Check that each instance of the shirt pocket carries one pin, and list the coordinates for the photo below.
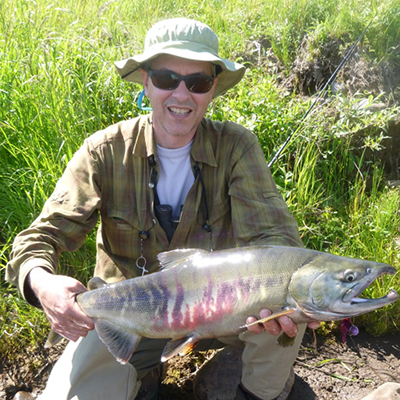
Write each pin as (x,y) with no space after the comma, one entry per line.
(217,213)
(121,229)
(220,222)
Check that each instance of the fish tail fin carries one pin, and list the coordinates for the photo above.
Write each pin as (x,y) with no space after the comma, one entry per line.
(53,339)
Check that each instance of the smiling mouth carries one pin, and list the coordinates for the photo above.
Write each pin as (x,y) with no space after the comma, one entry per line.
(179,111)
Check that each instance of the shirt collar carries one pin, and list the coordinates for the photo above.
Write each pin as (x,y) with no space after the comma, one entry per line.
(145,145)
(202,149)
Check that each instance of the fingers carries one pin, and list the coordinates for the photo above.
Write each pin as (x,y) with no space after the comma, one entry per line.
(276,326)
(273,327)
(69,321)
(69,332)
(254,328)
(288,326)
(57,295)
(314,324)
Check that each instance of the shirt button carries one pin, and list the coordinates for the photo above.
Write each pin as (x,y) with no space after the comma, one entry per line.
(143,235)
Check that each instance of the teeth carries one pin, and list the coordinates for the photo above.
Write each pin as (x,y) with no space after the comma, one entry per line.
(179,111)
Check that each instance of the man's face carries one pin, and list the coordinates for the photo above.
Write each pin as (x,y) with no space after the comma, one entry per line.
(177,112)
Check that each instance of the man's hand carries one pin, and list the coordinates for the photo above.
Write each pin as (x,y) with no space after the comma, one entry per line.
(275,326)
(57,294)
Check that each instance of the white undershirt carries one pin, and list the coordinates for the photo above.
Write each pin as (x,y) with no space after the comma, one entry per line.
(176,176)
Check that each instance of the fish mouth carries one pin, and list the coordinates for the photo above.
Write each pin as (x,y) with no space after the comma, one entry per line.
(388,299)
(351,296)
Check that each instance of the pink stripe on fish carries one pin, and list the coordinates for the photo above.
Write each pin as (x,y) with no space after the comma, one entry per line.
(177,316)
(213,307)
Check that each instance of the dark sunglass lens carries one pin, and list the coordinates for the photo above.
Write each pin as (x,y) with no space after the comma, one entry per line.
(168,80)
(199,84)
(165,80)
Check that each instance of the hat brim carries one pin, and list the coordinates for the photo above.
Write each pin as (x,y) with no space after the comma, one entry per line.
(231,74)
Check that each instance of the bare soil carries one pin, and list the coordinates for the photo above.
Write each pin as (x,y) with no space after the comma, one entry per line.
(331,370)
(346,371)
(315,62)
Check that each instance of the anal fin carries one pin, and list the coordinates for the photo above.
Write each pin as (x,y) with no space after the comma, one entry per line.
(179,346)
(119,342)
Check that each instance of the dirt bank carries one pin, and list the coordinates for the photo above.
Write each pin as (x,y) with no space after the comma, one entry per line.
(335,371)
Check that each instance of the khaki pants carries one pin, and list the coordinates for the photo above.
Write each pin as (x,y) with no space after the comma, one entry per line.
(87,370)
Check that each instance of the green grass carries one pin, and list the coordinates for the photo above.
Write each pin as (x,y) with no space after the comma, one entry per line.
(58,85)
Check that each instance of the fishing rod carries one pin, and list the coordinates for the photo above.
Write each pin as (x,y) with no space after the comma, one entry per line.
(329,82)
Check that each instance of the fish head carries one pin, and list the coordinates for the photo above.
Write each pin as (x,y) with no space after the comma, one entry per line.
(327,287)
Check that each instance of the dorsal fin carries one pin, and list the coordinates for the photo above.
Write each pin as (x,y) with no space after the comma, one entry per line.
(170,259)
(96,283)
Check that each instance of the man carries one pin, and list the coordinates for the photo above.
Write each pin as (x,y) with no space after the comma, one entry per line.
(172,179)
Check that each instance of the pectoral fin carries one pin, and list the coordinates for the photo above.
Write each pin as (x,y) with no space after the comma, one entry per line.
(180,346)
(269,318)
(119,342)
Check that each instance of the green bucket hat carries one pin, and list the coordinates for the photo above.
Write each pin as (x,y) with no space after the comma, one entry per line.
(187,39)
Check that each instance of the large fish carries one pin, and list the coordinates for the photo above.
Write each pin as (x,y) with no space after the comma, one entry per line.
(199,294)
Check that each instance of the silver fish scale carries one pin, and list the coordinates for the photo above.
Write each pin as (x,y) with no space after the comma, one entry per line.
(216,288)
(212,293)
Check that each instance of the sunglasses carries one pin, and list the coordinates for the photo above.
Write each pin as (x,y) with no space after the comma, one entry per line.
(169,80)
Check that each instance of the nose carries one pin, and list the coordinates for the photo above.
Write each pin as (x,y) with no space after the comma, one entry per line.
(182,91)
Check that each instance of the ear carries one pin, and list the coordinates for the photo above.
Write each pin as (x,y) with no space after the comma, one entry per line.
(145,78)
(214,86)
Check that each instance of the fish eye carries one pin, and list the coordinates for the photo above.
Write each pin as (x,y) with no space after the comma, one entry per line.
(349,276)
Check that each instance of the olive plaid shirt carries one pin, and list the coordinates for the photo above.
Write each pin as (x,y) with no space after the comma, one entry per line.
(110,176)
